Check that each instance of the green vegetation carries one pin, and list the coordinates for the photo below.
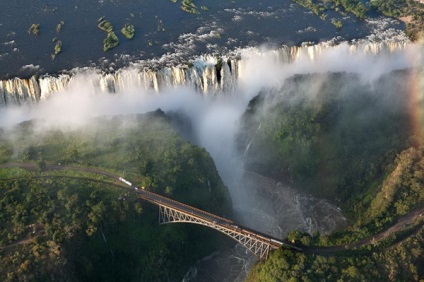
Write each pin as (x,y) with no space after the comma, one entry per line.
(396,257)
(337,23)
(189,7)
(59,26)
(80,226)
(105,25)
(399,263)
(409,11)
(34,29)
(401,191)
(128,31)
(110,41)
(354,6)
(57,48)
(326,144)
(323,16)
(317,8)
(334,136)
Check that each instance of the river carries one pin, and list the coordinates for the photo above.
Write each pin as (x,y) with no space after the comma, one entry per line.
(165,33)
(175,54)
(270,207)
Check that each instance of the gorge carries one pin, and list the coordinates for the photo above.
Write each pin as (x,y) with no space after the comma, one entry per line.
(270,120)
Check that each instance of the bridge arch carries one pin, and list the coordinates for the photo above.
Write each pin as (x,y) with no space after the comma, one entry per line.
(258,246)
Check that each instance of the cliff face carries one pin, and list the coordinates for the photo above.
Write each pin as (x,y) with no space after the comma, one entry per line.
(209,75)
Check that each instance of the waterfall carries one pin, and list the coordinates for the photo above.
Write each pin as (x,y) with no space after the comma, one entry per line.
(250,142)
(209,75)
(19,91)
(49,84)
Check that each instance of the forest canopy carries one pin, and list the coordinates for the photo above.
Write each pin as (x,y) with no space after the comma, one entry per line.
(78,225)
(336,136)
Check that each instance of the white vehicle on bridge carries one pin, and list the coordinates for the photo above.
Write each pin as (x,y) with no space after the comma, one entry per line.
(125,181)
(275,241)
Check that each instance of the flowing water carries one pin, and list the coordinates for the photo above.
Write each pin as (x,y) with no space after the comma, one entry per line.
(198,65)
(214,107)
(272,208)
(165,33)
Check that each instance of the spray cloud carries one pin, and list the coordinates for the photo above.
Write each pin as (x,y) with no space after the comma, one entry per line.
(215,119)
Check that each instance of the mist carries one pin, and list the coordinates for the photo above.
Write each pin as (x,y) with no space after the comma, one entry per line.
(215,119)
(260,69)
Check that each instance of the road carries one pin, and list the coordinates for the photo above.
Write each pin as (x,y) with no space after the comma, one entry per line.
(164,201)
(402,222)
(214,219)
(33,167)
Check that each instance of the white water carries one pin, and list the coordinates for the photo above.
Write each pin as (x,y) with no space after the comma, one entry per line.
(214,107)
(202,75)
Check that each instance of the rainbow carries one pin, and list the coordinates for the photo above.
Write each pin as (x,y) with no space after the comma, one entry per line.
(416,96)
(416,104)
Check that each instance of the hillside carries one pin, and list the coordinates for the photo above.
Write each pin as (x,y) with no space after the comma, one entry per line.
(396,255)
(350,141)
(80,225)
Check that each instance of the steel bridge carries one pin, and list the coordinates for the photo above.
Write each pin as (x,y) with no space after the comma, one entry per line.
(171,211)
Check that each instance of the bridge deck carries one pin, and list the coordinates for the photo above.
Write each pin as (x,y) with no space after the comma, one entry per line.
(213,220)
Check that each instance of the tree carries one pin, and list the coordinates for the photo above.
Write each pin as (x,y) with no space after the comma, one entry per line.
(41,165)
(169,190)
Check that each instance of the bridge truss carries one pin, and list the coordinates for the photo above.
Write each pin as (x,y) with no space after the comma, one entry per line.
(257,245)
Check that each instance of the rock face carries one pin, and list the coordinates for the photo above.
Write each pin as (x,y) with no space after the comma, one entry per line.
(275,208)
(209,75)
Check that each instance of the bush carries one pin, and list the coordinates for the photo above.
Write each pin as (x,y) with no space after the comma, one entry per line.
(57,48)
(337,23)
(110,41)
(34,29)
(59,26)
(128,31)
(105,26)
